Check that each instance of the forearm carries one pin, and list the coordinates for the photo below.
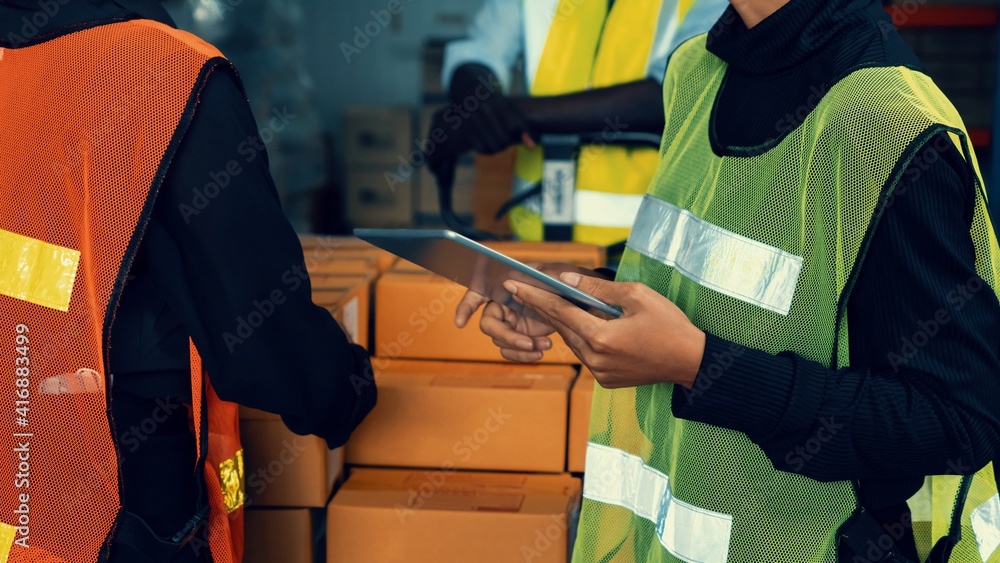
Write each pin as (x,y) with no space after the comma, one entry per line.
(234,271)
(833,425)
(636,107)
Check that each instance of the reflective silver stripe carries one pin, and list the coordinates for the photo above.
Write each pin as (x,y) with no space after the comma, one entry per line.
(621,479)
(986,527)
(729,263)
(603,209)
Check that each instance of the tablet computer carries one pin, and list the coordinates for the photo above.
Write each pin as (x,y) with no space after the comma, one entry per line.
(477,267)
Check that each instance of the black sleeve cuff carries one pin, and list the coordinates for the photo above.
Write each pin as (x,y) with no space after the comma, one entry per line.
(358,397)
(744,390)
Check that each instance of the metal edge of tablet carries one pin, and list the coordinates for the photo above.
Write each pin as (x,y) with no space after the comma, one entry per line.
(537,275)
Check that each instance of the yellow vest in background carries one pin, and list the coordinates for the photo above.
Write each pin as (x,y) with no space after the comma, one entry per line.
(587,47)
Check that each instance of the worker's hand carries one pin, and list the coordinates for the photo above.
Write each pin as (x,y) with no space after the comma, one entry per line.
(494,126)
(652,342)
(521,335)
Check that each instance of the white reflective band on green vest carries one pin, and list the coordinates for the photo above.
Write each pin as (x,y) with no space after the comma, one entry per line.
(729,263)
(690,533)
(604,209)
(986,525)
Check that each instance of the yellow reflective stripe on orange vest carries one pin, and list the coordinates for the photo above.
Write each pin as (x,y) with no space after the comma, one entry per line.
(7,535)
(231,477)
(715,258)
(36,271)
(688,532)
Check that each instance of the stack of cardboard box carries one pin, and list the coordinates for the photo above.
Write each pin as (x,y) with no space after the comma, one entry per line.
(290,478)
(466,457)
(470,450)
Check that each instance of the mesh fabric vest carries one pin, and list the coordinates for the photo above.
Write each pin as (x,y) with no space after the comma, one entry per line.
(761,250)
(89,123)
(590,47)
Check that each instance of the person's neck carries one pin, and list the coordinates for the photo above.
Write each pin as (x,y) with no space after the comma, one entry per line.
(752,12)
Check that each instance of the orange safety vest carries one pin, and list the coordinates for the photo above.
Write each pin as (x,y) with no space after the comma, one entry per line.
(89,123)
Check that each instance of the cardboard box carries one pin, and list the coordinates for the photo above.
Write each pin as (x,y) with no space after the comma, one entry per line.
(500,417)
(377,198)
(415,319)
(286,535)
(449,517)
(377,135)
(284,469)
(351,306)
(580,400)
(319,247)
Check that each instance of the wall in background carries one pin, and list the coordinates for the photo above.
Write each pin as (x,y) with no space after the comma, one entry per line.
(387,69)
(315,58)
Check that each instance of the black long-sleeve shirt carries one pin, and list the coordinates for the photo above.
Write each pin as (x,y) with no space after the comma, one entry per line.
(922,393)
(217,252)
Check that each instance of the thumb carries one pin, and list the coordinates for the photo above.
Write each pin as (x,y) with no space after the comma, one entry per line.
(528,141)
(470,303)
(610,292)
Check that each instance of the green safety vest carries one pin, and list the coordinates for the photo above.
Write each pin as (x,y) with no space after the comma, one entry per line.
(762,249)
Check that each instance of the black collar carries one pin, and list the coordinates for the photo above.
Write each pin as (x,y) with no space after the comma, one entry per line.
(788,37)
